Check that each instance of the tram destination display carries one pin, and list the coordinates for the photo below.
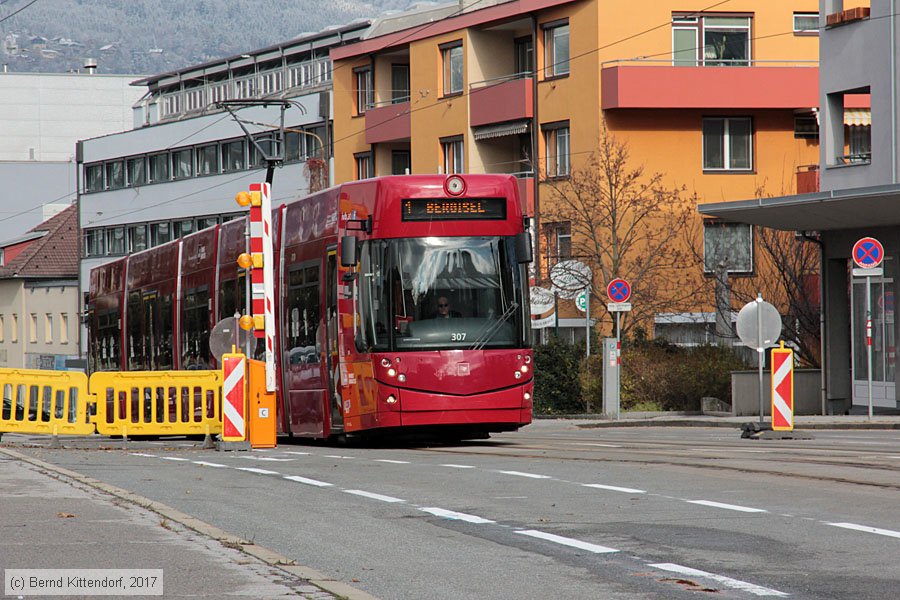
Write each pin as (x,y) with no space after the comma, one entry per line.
(453,209)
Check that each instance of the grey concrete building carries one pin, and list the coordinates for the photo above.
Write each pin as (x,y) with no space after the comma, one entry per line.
(178,168)
(859,196)
(42,116)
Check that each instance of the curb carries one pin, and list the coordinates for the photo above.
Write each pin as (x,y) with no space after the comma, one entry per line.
(872,425)
(269,557)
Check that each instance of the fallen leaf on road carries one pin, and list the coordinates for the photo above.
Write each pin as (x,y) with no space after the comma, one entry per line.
(65,515)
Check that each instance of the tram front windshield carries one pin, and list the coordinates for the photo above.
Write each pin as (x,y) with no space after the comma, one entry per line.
(441,293)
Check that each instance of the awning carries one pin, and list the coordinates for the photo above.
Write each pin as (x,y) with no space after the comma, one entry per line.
(486,132)
(857,117)
(865,207)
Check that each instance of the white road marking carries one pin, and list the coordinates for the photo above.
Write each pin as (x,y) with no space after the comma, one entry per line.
(737,584)
(393,462)
(529,475)
(565,541)
(307,481)
(593,444)
(269,458)
(258,471)
(209,464)
(297,453)
(175,458)
(746,509)
(867,529)
(374,496)
(452,466)
(614,488)
(456,516)
(338,456)
(147,455)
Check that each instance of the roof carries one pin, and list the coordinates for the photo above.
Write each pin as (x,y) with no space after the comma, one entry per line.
(55,255)
(862,207)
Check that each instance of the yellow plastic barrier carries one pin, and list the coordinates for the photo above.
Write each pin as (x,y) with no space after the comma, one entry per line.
(50,402)
(158,402)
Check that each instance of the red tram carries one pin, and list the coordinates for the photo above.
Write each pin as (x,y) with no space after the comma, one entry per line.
(402,303)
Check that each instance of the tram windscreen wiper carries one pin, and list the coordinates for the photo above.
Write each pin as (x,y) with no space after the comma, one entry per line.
(494,327)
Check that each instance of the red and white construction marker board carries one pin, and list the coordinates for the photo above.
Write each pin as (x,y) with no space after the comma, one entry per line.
(782,389)
(234,411)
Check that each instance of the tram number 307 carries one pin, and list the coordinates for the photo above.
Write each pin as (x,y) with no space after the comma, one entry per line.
(458,337)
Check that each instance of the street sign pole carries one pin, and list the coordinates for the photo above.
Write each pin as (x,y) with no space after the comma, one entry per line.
(760,356)
(867,254)
(869,342)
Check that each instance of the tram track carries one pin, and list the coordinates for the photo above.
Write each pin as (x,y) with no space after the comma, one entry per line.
(615,455)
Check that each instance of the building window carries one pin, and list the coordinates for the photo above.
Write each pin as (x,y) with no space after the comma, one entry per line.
(48,328)
(524,48)
(159,167)
(556,142)
(727,144)
(454,155)
(556,49)
(806,125)
(399,83)
(205,222)
(115,240)
(93,242)
(93,178)
(558,241)
(365,167)
(32,328)
(806,23)
(208,160)
(14,328)
(269,148)
(115,175)
(183,228)
(400,162)
(233,156)
(2,328)
(137,238)
(160,233)
(182,164)
(63,328)
(860,138)
(710,41)
(365,94)
(136,171)
(452,56)
(730,244)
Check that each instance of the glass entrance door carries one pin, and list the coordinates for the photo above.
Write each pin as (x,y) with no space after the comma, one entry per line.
(883,349)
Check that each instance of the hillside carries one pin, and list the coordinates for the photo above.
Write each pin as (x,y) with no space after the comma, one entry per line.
(153,36)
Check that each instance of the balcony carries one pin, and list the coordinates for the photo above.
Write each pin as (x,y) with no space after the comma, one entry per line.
(659,84)
(508,98)
(847,16)
(387,123)
(808,179)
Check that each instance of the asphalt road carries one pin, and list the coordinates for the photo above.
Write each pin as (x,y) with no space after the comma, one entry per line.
(553,511)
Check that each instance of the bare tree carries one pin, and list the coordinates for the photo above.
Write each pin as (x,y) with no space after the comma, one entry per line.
(785,274)
(626,223)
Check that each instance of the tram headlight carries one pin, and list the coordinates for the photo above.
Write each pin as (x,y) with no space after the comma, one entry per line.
(392,372)
(527,396)
(455,185)
(385,362)
(518,375)
(527,359)
(401,378)
(524,368)
(392,399)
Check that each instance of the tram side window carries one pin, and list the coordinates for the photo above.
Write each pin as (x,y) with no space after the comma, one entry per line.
(373,306)
(303,315)
(137,354)
(195,329)
(106,342)
(165,339)
(232,296)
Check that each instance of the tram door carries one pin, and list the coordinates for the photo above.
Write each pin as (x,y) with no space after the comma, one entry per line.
(331,332)
(883,343)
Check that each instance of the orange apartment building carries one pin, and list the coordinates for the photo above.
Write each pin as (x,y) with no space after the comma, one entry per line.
(721,101)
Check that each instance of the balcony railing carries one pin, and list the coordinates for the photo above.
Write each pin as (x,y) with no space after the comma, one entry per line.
(501,79)
(501,99)
(807,179)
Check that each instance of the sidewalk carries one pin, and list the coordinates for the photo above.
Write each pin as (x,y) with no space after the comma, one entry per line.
(56,519)
(701,420)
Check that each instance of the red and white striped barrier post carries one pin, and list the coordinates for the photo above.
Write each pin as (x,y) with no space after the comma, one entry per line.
(234,401)
(262,282)
(782,389)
